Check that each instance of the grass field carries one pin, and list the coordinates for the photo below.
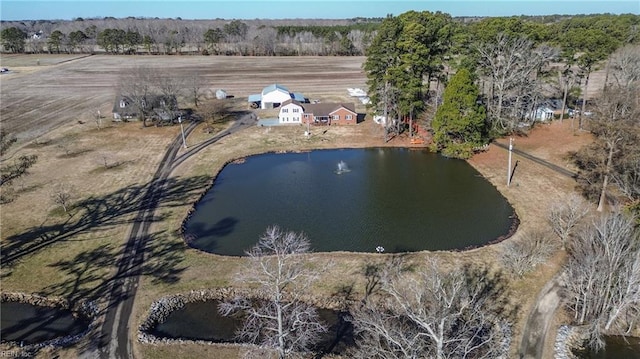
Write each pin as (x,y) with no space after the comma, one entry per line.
(50,106)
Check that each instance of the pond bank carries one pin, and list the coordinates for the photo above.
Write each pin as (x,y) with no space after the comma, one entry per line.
(85,311)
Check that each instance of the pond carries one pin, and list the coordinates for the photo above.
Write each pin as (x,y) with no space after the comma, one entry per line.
(29,324)
(616,347)
(351,200)
(201,321)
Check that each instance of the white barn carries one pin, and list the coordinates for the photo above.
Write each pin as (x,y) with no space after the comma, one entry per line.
(274,95)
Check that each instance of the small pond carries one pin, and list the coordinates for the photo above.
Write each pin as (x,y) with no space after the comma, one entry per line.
(351,200)
(30,324)
(616,348)
(201,321)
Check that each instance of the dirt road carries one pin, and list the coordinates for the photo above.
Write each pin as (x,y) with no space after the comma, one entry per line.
(539,321)
(114,339)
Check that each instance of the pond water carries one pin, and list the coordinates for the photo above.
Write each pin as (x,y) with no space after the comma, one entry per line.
(201,321)
(30,324)
(351,200)
(616,348)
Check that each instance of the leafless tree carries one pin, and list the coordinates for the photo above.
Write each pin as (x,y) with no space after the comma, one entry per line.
(214,112)
(171,88)
(565,215)
(604,270)
(432,314)
(194,85)
(522,255)
(62,195)
(625,66)
(279,319)
(137,85)
(616,125)
(512,65)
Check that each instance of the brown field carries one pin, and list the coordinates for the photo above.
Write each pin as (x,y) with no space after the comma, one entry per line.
(65,88)
(72,256)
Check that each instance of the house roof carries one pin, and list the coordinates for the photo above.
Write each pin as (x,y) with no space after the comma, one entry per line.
(274,87)
(255,97)
(298,96)
(292,101)
(325,109)
(153,101)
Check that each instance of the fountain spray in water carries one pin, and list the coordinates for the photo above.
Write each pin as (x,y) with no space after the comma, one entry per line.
(342,168)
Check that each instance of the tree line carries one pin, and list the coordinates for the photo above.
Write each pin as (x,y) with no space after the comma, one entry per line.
(177,36)
(273,37)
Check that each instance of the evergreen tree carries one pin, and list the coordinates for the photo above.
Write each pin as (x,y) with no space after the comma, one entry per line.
(13,39)
(406,53)
(55,40)
(459,124)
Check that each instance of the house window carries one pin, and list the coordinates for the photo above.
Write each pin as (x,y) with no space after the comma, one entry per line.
(348,117)
(335,117)
(285,110)
(295,110)
(123,104)
(306,116)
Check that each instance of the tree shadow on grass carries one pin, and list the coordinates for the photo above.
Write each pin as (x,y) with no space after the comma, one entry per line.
(98,214)
(84,275)
(494,289)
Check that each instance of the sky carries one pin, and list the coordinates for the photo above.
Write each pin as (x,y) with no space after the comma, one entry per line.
(300,9)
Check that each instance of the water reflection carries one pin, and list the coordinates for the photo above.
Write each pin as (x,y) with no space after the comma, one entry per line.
(403,201)
(201,321)
(617,347)
(30,324)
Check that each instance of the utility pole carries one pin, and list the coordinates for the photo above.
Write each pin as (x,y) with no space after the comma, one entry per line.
(509,168)
(184,141)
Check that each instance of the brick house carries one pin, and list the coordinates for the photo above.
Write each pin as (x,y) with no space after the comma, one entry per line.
(295,112)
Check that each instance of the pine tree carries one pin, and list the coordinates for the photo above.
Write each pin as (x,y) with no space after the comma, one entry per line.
(459,124)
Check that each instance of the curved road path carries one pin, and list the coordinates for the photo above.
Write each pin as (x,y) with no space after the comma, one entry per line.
(114,341)
(549,299)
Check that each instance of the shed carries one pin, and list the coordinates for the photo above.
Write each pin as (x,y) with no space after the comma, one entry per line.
(221,94)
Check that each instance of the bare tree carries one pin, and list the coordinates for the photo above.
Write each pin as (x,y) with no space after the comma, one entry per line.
(524,254)
(137,86)
(604,267)
(436,314)
(194,85)
(512,65)
(280,319)
(62,195)
(566,215)
(625,66)
(609,166)
(171,88)
(11,168)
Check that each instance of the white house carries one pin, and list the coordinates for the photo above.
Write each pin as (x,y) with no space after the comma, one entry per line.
(542,113)
(290,112)
(273,96)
